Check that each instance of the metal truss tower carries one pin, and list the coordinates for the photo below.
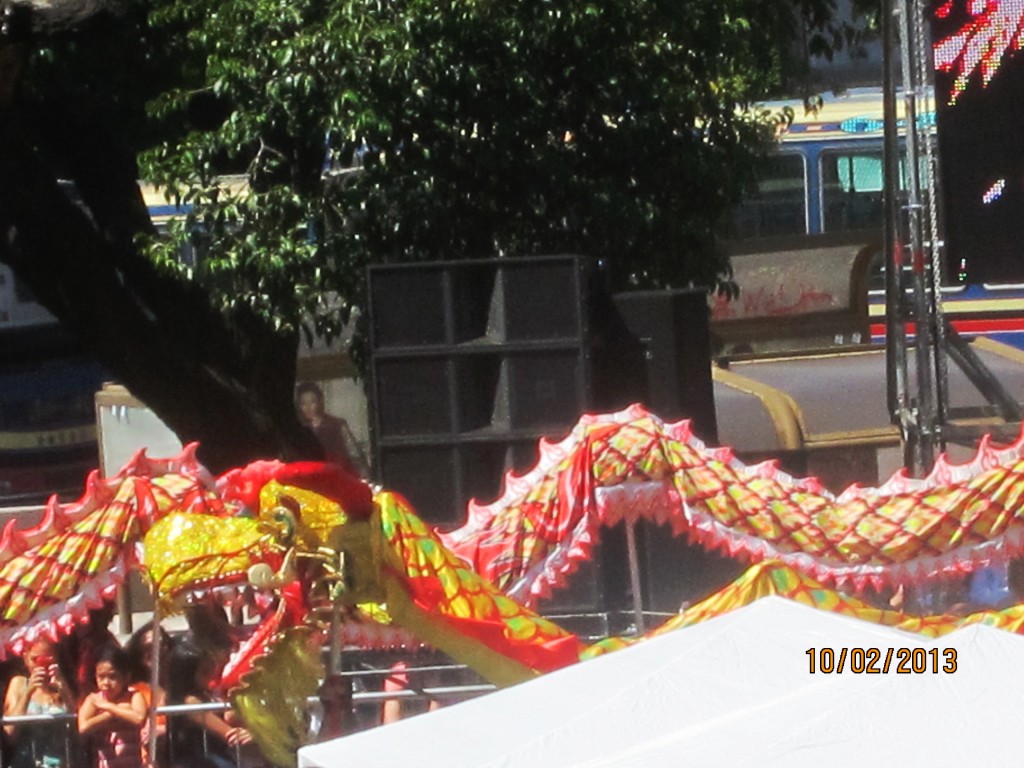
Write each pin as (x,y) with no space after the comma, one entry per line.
(919,341)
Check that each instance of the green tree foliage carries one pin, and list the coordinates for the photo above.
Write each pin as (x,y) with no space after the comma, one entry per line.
(623,129)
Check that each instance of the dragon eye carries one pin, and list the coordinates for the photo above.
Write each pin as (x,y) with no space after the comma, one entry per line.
(284,519)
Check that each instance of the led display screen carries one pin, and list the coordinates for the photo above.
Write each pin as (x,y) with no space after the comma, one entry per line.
(979,83)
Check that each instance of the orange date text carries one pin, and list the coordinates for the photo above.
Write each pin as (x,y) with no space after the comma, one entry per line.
(882,661)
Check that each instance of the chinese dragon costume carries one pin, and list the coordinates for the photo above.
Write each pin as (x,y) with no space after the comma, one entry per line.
(328,545)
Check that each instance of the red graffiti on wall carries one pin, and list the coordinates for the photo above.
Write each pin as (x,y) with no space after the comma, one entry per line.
(780,301)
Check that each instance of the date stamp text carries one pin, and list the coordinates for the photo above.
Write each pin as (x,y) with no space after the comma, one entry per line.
(882,661)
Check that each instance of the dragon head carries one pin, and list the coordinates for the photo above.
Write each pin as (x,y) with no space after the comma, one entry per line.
(283,513)
(298,530)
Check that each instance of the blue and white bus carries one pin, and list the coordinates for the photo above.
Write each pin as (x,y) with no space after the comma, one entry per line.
(823,184)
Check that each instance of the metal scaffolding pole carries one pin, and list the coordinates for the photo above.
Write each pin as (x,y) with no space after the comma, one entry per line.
(918,398)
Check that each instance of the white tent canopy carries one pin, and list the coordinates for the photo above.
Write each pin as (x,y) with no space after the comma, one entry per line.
(733,691)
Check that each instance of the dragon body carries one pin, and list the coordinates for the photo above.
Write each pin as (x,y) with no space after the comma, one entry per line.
(631,465)
(333,548)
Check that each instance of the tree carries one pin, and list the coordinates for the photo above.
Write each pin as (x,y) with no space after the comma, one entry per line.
(622,129)
(224,378)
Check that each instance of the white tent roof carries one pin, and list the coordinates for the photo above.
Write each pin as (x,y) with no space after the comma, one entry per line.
(732,691)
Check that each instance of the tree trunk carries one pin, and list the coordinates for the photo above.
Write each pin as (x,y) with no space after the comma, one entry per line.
(225,381)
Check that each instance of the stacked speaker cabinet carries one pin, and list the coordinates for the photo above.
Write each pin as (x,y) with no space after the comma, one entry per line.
(471,363)
(670,327)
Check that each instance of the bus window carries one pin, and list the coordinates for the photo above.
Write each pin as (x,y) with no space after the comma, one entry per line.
(851,187)
(778,206)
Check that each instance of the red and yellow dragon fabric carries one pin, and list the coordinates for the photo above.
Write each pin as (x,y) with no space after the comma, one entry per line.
(316,536)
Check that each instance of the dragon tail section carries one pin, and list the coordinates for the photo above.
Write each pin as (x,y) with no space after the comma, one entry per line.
(774,578)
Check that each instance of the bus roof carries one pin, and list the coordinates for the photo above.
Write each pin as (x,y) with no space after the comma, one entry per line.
(853,114)
(163,208)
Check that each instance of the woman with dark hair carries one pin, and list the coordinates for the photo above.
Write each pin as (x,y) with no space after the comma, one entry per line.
(200,739)
(140,649)
(333,433)
(42,690)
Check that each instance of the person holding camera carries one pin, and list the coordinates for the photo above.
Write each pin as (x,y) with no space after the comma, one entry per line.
(42,690)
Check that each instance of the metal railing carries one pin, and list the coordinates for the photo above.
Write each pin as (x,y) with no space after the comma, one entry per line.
(75,755)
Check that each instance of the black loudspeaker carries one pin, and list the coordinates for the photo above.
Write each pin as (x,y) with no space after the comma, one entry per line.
(472,362)
(671,329)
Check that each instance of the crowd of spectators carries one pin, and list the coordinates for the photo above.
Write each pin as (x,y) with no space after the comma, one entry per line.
(99,696)
(85,701)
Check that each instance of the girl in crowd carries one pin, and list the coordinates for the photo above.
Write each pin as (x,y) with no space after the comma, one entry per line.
(140,650)
(113,717)
(43,690)
(202,739)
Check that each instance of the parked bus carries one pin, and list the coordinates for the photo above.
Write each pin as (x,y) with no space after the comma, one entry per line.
(821,189)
